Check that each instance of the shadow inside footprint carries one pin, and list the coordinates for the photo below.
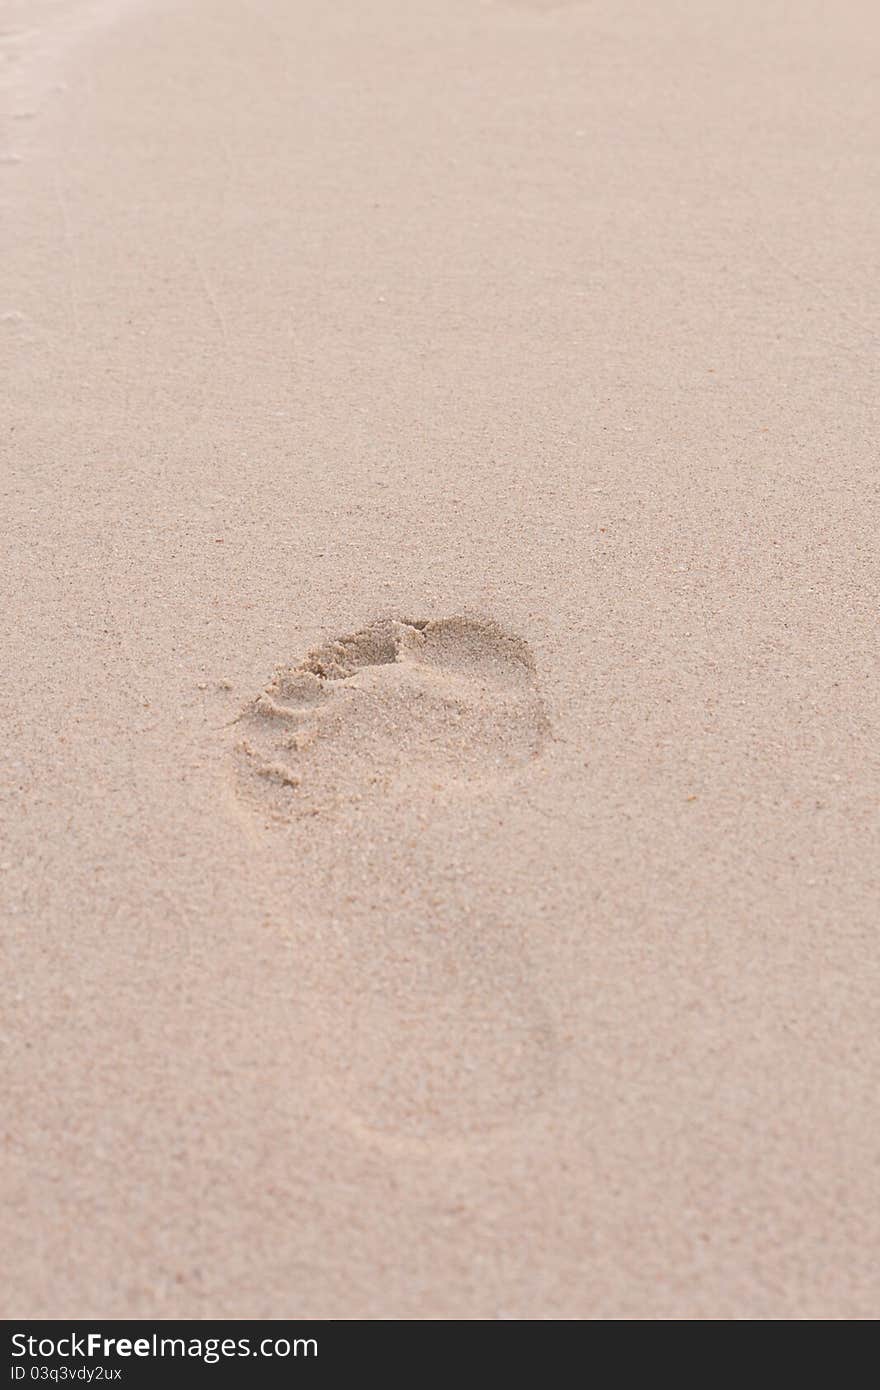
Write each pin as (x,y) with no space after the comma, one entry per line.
(399,702)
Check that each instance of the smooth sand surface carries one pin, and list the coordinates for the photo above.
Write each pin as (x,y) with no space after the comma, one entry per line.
(516,956)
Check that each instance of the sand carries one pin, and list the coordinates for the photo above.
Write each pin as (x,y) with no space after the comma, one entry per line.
(440,861)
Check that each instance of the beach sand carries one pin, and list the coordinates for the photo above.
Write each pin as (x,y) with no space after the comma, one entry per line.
(440,710)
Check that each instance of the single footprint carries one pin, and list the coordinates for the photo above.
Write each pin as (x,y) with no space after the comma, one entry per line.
(402,704)
(429,1028)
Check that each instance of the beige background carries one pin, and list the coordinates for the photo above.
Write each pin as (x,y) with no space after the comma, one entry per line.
(561,313)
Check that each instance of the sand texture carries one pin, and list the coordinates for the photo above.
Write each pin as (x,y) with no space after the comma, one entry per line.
(440,769)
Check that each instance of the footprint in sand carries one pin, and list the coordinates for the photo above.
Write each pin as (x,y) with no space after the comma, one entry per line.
(443,1035)
(386,708)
